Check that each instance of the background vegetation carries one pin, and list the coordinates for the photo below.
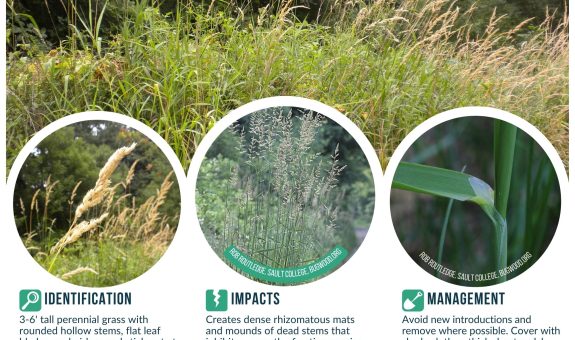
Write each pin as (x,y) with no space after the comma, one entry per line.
(181,65)
(533,206)
(285,185)
(140,206)
(52,17)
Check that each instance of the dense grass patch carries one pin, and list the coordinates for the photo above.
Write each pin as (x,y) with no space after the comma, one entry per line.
(285,186)
(387,68)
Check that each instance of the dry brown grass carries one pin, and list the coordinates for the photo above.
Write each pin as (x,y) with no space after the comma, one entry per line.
(96,195)
(76,232)
(526,76)
(119,219)
(77,271)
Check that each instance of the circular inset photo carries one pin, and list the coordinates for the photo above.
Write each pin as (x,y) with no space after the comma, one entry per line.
(96,202)
(285,195)
(475,201)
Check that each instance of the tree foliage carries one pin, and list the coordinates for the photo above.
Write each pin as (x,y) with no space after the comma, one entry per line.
(515,12)
(74,156)
(46,24)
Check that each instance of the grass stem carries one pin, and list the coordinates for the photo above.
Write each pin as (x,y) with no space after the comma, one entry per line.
(504,137)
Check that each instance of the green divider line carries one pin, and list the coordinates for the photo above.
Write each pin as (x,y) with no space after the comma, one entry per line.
(299,274)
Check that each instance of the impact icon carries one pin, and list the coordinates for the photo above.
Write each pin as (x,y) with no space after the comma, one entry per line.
(216,300)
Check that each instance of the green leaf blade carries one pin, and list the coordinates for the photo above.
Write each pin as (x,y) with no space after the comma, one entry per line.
(434,181)
(455,186)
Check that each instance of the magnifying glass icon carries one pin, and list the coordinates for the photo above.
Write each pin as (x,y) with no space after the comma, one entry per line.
(32,298)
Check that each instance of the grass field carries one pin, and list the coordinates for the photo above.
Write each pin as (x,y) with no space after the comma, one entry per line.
(387,68)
